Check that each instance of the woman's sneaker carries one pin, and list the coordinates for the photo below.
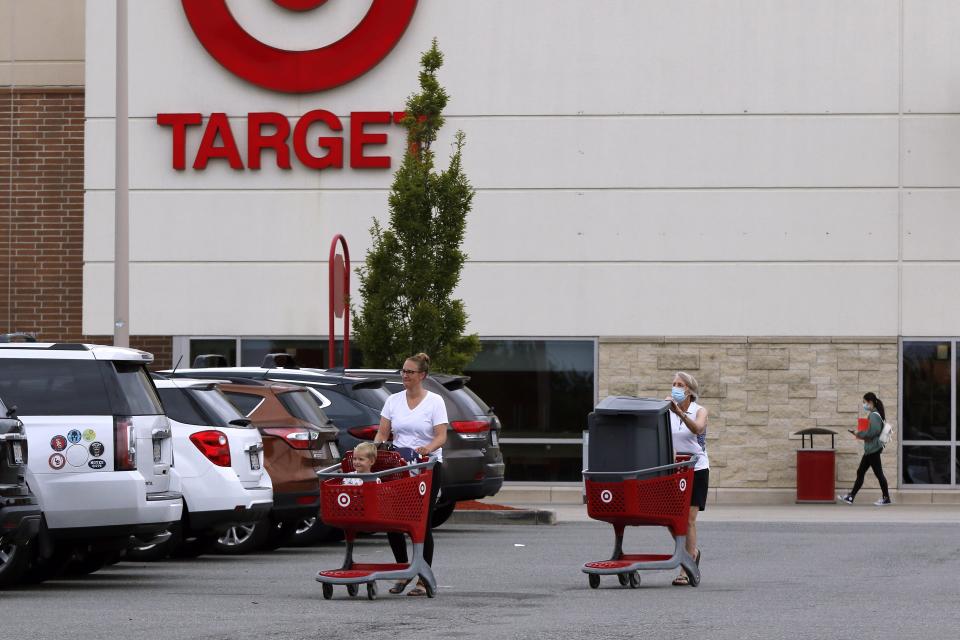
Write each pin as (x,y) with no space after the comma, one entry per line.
(848,499)
(883,501)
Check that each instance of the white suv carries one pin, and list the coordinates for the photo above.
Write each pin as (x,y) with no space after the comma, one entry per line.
(100,450)
(218,467)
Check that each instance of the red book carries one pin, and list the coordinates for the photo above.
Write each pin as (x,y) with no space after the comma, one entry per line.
(863,424)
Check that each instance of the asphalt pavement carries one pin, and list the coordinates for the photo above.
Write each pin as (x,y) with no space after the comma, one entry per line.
(760,580)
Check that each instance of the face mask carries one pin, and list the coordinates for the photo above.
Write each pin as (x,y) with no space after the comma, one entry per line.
(867,407)
(678,394)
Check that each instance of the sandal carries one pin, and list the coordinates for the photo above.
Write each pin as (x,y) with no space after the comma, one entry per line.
(400,585)
(419,590)
(681,580)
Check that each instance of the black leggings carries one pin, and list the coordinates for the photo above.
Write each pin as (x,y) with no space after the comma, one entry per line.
(868,461)
(398,542)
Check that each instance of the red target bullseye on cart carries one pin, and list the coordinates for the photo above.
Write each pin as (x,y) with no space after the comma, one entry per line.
(423,488)
(343,500)
(299,71)
(683,485)
(606,496)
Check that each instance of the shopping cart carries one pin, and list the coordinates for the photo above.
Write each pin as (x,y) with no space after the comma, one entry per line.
(399,503)
(659,496)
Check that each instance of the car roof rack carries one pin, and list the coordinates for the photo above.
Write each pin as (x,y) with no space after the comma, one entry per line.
(68,346)
(18,336)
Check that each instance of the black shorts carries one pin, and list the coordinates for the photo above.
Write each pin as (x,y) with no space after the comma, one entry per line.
(701,483)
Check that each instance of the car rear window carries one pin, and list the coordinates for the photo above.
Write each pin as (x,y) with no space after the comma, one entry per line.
(246,403)
(138,395)
(54,387)
(219,407)
(300,405)
(346,412)
(180,407)
(471,402)
(374,397)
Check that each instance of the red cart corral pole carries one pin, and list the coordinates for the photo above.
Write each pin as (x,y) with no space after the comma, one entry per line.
(339,288)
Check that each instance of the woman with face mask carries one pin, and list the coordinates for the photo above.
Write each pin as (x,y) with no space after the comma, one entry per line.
(688,421)
(872,448)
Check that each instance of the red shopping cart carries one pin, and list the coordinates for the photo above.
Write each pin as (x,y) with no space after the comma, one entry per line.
(659,496)
(399,503)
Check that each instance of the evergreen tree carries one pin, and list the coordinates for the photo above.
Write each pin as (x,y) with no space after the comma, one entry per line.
(409,275)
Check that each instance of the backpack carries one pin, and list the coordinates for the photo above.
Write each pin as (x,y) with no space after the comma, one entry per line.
(886,434)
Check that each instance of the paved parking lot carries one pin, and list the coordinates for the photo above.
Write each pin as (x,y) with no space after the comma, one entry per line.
(779,580)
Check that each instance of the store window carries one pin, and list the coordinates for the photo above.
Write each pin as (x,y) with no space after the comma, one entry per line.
(542,391)
(929,413)
(252,351)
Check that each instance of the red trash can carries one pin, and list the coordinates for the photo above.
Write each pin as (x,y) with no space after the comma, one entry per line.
(816,468)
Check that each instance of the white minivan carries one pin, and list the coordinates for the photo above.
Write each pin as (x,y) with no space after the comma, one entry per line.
(100,450)
(218,467)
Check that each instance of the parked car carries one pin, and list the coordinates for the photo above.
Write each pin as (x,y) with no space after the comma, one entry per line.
(19,509)
(347,401)
(472,461)
(298,439)
(100,451)
(218,467)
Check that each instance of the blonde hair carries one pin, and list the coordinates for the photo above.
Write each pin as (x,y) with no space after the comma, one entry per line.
(423,362)
(691,383)
(365,450)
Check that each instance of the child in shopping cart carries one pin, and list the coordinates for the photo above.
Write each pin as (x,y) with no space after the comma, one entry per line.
(364,457)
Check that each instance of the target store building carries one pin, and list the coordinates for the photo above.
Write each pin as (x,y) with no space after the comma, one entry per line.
(765,194)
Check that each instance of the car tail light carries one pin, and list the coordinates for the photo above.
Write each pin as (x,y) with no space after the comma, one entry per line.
(471,428)
(364,433)
(296,437)
(214,445)
(124,444)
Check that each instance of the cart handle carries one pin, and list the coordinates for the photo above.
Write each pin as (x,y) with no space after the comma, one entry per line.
(327,472)
(677,465)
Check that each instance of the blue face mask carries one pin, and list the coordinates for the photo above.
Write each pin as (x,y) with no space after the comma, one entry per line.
(867,408)
(678,394)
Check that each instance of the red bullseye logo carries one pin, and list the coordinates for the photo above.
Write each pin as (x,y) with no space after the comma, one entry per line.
(299,71)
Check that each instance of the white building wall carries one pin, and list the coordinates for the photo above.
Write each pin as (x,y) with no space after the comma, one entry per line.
(790,167)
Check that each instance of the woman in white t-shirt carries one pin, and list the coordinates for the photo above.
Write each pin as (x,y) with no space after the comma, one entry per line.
(417,418)
(688,421)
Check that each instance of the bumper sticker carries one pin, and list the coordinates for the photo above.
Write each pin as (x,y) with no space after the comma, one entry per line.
(96,449)
(73,436)
(89,435)
(96,463)
(57,461)
(58,443)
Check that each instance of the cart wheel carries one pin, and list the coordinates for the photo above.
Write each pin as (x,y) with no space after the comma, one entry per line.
(623,579)
(426,587)
(694,579)
(353,589)
(594,580)
(371,591)
(327,590)
(634,579)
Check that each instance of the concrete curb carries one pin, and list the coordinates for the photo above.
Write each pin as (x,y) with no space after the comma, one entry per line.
(503,516)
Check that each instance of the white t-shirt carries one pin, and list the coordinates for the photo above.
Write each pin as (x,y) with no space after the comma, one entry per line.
(358,481)
(415,428)
(684,440)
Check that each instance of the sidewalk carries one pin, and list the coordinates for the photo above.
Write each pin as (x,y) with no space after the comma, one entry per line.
(536,513)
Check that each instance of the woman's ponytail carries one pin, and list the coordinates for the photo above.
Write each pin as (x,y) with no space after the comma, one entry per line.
(871,397)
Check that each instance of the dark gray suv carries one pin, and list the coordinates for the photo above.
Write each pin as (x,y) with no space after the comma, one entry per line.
(19,509)
(472,461)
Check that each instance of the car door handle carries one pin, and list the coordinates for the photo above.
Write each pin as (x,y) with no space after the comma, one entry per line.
(254,448)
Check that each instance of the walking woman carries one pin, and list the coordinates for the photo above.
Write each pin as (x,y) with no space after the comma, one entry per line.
(872,448)
(688,421)
(417,418)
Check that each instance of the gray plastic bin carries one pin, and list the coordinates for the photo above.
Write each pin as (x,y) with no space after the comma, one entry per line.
(629,433)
